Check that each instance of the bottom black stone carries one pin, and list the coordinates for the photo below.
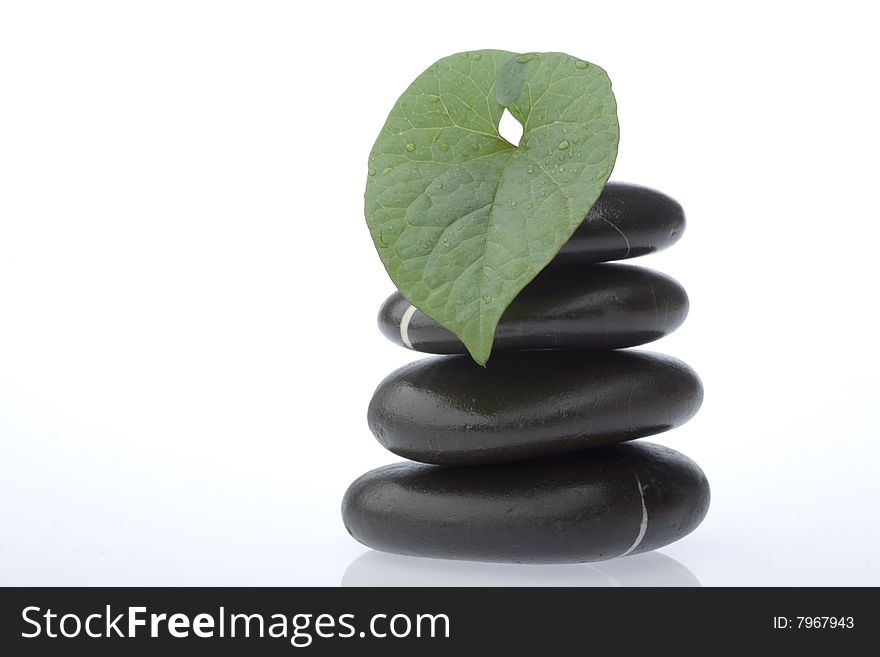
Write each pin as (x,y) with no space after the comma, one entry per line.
(587,506)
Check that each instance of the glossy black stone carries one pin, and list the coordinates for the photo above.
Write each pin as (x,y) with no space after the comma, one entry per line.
(526,404)
(589,506)
(565,307)
(626,221)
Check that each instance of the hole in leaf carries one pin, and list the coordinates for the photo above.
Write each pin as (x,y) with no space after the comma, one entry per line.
(509,128)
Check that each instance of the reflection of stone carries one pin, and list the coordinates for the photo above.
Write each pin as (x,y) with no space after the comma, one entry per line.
(565,307)
(585,506)
(382,569)
(449,410)
(528,471)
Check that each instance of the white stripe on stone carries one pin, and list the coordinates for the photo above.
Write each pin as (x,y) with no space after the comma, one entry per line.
(643,527)
(404,326)
(620,232)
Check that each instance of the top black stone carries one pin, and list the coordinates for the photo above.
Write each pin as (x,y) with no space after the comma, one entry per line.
(625,222)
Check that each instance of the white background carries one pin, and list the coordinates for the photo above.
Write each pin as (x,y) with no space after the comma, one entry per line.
(188,290)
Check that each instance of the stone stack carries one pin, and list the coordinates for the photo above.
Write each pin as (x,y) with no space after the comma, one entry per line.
(527,459)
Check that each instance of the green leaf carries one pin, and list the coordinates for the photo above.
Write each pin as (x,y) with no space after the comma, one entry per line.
(462,219)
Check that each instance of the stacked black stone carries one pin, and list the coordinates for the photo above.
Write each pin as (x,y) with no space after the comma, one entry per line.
(522,459)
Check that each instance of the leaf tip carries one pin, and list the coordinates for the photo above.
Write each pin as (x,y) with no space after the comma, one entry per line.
(480,352)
